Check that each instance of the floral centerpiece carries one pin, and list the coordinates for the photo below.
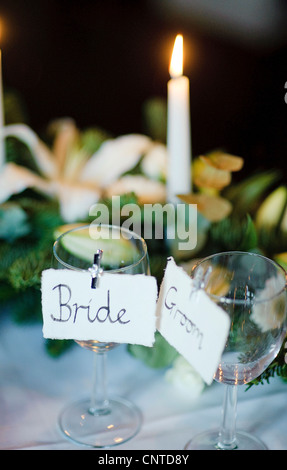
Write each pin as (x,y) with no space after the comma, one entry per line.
(49,182)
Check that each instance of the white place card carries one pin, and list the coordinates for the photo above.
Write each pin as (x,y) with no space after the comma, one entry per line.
(191,322)
(121,309)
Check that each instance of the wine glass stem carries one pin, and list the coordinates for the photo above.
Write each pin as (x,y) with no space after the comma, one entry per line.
(99,402)
(227,434)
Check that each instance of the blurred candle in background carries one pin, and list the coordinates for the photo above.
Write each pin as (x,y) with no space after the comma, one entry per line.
(2,145)
(178,127)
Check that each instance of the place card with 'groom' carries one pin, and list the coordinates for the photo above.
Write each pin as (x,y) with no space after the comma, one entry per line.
(191,322)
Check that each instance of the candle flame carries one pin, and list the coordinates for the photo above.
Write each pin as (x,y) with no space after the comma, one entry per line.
(176,63)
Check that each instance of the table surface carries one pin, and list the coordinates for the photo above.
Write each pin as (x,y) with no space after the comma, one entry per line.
(34,388)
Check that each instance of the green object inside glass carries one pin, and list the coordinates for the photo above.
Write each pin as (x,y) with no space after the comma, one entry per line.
(117,252)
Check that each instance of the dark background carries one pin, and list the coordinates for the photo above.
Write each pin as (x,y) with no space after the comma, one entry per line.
(99,61)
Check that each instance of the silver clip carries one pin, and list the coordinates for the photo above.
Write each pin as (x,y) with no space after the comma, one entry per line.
(96,270)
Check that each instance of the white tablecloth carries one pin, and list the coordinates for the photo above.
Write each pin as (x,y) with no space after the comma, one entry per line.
(34,388)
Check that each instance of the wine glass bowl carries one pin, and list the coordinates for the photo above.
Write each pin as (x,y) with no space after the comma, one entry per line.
(251,289)
(97,346)
(101,421)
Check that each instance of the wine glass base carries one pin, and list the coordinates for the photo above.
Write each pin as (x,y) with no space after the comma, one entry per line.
(120,423)
(209,441)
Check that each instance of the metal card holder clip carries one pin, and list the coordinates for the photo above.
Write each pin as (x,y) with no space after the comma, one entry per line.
(96,270)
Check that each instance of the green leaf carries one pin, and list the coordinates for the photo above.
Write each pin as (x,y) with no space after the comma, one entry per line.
(15,108)
(161,355)
(92,139)
(155,118)
(249,240)
(246,195)
(234,233)
(282,260)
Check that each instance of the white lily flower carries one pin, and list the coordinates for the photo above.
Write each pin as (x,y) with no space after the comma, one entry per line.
(147,191)
(40,152)
(54,165)
(115,157)
(269,311)
(154,163)
(67,172)
(14,179)
(185,379)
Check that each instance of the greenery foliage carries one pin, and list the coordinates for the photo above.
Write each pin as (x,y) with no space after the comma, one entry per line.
(28,222)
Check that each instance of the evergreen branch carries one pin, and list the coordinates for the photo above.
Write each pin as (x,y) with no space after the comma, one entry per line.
(278,368)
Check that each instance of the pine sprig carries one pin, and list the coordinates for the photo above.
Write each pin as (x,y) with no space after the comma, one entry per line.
(278,368)
(26,272)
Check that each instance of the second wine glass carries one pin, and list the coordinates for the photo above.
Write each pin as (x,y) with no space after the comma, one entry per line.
(251,289)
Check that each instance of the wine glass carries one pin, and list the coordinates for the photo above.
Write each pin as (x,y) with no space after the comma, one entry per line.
(252,290)
(100,421)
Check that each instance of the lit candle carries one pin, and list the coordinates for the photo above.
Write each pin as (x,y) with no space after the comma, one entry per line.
(178,127)
(2,148)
